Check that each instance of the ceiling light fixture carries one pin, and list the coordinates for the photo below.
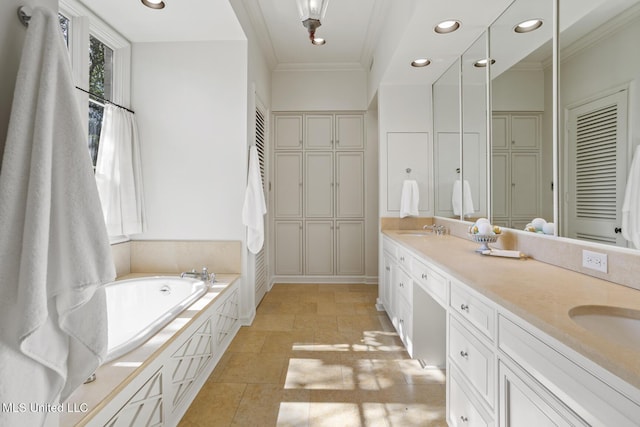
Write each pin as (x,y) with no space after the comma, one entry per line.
(311,12)
(480,63)
(529,25)
(421,62)
(154,4)
(448,26)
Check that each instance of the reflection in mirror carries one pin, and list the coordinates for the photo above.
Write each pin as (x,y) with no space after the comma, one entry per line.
(471,185)
(446,145)
(599,119)
(522,116)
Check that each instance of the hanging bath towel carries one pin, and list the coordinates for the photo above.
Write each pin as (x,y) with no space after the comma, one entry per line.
(54,251)
(409,199)
(631,205)
(254,204)
(456,197)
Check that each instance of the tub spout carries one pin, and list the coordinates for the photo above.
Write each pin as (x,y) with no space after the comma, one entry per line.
(193,273)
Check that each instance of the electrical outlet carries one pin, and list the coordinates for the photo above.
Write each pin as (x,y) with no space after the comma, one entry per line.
(594,260)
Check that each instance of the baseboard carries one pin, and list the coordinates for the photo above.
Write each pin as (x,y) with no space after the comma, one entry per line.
(367,280)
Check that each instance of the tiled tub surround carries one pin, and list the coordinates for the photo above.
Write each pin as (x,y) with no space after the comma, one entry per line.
(538,296)
(158,380)
(176,256)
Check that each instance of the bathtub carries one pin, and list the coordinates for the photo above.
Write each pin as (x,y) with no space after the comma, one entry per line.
(138,308)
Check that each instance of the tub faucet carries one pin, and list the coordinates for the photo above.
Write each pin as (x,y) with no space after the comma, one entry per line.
(193,273)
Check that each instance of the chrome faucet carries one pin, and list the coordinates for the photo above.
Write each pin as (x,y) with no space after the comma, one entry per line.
(438,229)
(204,275)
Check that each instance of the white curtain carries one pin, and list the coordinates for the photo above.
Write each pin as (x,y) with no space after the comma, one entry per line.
(119,174)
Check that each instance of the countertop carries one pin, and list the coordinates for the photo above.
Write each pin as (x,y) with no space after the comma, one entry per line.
(539,293)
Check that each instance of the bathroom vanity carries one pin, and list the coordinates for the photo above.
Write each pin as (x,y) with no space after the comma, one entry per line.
(514,334)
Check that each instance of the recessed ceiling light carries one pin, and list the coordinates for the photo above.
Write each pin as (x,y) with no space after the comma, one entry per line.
(421,62)
(318,41)
(448,26)
(480,63)
(153,4)
(528,25)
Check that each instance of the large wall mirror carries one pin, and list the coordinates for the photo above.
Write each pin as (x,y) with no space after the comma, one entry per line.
(598,116)
(446,141)
(522,146)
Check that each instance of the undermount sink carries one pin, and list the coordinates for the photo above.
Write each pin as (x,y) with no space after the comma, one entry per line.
(617,324)
(415,232)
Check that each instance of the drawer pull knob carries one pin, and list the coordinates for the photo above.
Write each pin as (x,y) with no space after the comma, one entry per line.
(464,419)
(464,354)
(424,276)
(402,258)
(401,285)
(464,307)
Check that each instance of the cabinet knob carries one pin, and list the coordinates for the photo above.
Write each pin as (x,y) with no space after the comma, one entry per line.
(464,307)
(464,354)
(464,419)
(424,276)
(401,285)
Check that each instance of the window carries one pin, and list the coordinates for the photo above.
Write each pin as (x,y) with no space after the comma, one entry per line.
(101,87)
(100,59)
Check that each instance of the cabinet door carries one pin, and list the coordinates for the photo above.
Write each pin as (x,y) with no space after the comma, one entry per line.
(525,132)
(318,185)
(501,182)
(318,131)
(349,185)
(349,247)
(288,132)
(500,132)
(462,408)
(319,247)
(288,185)
(288,245)
(522,401)
(525,177)
(386,283)
(349,132)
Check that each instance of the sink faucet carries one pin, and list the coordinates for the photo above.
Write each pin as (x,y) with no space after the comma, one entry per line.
(438,229)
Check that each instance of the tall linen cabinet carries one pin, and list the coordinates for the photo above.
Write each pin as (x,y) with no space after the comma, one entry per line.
(318,195)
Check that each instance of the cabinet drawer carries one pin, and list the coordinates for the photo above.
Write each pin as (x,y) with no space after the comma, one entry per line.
(433,283)
(474,359)
(463,412)
(390,248)
(590,397)
(472,308)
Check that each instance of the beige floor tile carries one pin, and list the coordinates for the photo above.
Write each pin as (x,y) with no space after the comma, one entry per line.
(215,405)
(253,368)
(287,341)
(262,404)
(273,322)
(315,321)
(314,371)
(247,340)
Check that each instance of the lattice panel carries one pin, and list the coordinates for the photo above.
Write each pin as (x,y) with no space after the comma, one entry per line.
(227,317)
(189,360)
(144,408)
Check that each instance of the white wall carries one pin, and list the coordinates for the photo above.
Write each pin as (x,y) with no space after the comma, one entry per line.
(519,90)
(319,90)
(191,105)
(405,110)
(12,34)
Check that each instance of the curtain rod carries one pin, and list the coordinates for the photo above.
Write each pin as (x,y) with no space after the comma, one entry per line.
(106,101)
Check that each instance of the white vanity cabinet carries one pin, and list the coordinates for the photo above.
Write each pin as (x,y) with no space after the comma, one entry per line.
(502,370)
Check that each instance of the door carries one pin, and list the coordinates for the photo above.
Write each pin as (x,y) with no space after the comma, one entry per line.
(597,164)
(288,132)
(319,247)
(349,185)
(318,184)
(525,192)
(288,247)
(319,131)
(349,132)
(288,185)
(349,247)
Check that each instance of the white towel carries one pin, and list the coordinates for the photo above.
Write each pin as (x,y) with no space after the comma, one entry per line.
(631,205)
(54,250)
(456,198)
(409,199)
(254,206)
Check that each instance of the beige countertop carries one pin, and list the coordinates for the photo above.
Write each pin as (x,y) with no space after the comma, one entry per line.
(539,293)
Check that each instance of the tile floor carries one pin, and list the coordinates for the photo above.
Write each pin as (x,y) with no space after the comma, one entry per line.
(319,355)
